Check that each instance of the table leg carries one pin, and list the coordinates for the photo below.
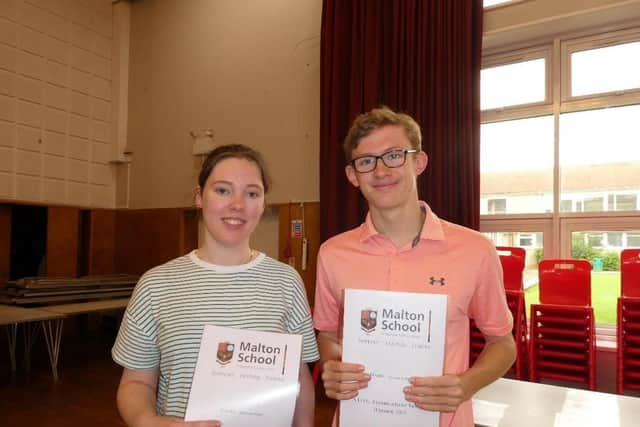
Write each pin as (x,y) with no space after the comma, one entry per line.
(12,332)
(53,335)
(30,333)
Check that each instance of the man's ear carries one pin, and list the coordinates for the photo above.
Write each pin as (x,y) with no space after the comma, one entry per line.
(197,196)
(421,162)
(352,175)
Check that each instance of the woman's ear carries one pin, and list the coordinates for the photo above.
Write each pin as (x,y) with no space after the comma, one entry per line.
(197,196)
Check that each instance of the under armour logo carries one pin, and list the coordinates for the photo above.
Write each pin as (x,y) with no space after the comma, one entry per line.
(433,281)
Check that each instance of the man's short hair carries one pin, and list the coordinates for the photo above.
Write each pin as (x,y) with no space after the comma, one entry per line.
(377,118)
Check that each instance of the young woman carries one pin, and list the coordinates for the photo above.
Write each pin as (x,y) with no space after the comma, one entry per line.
(224,282)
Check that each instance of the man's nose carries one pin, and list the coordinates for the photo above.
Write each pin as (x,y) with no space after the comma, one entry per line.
(381,168)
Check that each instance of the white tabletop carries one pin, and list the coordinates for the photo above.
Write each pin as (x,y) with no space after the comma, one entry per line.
(511,403)
(88,307)
(13,314)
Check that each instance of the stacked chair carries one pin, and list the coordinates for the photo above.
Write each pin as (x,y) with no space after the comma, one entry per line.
(628,353)
(513,262)
(562,339)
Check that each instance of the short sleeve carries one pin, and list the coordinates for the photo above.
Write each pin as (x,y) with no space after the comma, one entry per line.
(488,305)
(299,321)
(136,344)
(326,311)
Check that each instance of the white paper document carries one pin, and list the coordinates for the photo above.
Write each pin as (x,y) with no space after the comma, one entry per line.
(395,335)
(245,378)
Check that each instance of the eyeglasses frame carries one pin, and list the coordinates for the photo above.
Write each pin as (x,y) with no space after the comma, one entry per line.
(405,151)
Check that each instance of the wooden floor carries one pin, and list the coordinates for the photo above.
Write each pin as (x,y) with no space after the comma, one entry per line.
(85,393)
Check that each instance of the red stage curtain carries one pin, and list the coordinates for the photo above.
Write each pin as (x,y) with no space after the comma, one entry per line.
(416,56)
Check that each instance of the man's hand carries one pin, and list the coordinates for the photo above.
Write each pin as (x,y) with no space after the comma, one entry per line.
(441,394)
(343,380)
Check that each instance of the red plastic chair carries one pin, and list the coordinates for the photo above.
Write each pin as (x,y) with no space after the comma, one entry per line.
(565,281)
(628,327)
(512,260)
(562,338)
(630,272)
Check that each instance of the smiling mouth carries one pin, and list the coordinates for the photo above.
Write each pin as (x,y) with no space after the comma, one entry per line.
(233,221)
(385,186)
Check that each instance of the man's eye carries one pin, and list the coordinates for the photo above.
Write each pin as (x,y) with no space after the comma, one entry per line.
(394,155)
(365,161)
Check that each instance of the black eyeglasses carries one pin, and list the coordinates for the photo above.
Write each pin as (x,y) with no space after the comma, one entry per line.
(391,159)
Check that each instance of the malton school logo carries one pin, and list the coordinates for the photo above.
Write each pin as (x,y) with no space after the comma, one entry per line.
(368,320)
(225,353)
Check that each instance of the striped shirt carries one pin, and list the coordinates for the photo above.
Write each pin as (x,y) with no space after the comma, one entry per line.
(163,324)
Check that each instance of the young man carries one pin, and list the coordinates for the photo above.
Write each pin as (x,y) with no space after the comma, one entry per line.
(404,246)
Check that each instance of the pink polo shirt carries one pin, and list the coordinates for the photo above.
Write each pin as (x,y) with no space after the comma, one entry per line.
(448,259)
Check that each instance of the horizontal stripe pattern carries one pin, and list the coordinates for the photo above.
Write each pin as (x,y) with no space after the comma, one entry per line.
(163,324)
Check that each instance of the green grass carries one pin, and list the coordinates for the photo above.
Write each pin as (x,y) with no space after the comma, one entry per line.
(605,290)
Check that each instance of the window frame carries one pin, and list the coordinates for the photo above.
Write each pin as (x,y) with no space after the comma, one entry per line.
(557,225)
(605,99)
(540,108)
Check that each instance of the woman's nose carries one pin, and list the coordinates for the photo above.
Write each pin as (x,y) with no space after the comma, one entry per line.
(237,202)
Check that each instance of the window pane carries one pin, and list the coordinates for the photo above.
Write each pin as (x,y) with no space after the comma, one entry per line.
(602,249)
(516,164)
(534,250)
(633,239)
(497,206)
(614,239)
(599,157)
(620,64)
(594,239)
(593,204)
(512,84)
(626,202)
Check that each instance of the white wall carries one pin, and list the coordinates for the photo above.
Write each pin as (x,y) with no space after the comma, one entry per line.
(55,102)
(246,69)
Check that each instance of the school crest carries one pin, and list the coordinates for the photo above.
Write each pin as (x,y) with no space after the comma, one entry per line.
(368,320)
(225,353)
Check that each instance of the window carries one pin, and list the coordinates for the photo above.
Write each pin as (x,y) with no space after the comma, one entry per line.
(563,153)
(625,202)
(497,206)
(533,235)
(526,240)
(592,204)
(620,62)
(603,67)
(597,242)
(566,206)
(593,240)
(614,239)
(516,159)
(633,240)
(600,156)
(513,84)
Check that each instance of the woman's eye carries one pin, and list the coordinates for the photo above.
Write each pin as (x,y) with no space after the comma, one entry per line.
(253,194)
(221,191)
